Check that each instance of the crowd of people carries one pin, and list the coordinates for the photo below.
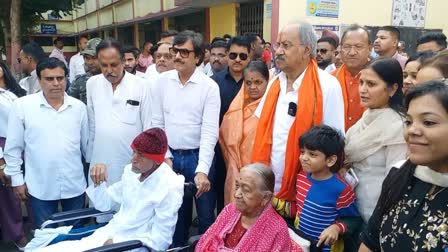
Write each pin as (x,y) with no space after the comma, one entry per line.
(309,145)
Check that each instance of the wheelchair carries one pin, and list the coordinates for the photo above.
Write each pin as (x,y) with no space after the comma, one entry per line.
(189,191)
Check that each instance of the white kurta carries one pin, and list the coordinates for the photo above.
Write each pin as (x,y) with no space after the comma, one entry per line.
(115,119)
(148,210)
(31,83)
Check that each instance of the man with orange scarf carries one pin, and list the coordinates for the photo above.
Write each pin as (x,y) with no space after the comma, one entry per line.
(355,50)
(301,96)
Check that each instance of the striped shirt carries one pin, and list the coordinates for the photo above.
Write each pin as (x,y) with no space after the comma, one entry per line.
(320,203)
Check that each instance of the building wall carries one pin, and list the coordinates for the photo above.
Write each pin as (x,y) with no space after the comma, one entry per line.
(222,20)
(372,13)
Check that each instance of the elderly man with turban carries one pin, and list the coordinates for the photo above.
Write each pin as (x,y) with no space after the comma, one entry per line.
(149,194)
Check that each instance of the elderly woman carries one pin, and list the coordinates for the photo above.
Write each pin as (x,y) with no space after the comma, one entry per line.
(250,223)
(435,68)
(411,69)
(237,132)
(412,211)
(375,143)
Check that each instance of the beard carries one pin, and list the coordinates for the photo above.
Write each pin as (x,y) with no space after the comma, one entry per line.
(324,63)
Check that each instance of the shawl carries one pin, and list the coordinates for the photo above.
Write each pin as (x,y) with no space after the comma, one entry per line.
(269,233)
(376,128)
(309,113)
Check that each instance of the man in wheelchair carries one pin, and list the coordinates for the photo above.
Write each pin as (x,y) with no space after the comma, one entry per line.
(149,196)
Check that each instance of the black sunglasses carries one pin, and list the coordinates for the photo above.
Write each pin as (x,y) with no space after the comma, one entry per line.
(184,53)
(322,51)
(243,56)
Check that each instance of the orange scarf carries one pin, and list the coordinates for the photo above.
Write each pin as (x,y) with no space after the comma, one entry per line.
(309,113)
(340,75)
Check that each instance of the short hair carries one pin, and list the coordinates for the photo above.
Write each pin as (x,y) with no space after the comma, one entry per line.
(251,36)
(355,27)
(34,51)
(226,36)
(267,42)
(436,88)
(169,33)
(438,61)
(421,57)
(109,43)
(239,41)
(219,44)
(130,49)
(81,37)
(217,39)
(154,49)
(56,40)
(393,30)
(327,140)
(197,41)
(329,40)
(307,36)
(266,174)
(147,42)
(258,66)
(437,37)
(50,63)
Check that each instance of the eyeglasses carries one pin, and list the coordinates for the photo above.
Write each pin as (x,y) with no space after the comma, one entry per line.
(348,48)
(242,56)
(322,51)
(184,53)
(167,56)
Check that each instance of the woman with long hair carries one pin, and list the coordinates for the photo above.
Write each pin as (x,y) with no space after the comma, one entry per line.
(10,211)
(412,210)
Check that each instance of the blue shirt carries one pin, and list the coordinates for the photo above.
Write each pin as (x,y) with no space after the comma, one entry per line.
(228,89)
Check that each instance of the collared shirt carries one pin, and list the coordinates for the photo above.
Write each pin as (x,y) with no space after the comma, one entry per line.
(31,83)
(148,209)
(330,68)
(58,54)
(140,74)
(53,141)
(355,110)
(401,59)
(76,66)
(189,113)
(333,115)
(115,119)
(6,100)
(228,88)
(151,72)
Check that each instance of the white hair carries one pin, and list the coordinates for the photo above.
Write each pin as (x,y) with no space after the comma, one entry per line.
(307,35)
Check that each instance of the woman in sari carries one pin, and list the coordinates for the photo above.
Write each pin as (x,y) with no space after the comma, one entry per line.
(238,128)
(250,223)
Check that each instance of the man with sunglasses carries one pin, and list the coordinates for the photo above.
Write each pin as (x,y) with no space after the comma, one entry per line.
(30,55)
(186,105)
(229,81)
(52,129)
(326,53)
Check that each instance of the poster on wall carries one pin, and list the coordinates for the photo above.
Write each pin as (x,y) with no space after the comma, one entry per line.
(319,29)
(322,8)
(410,13)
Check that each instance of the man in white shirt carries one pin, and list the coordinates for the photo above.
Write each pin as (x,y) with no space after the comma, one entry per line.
(57,51)
(164,61)
(30,55)
(291,106)
(149,195)
(186,105)
(119,108)
(77,61)
(52,129)
(131,55)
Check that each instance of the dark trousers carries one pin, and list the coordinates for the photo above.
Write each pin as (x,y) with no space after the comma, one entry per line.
(185,163)
(43,209)
(220,178)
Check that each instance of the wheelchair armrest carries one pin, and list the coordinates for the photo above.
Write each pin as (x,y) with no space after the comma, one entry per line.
(118,247)
(74,215)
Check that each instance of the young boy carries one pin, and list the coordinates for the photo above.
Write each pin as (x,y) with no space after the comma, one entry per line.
(322,195)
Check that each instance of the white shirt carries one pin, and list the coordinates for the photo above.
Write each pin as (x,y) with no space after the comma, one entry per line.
(189,113)
(151,72)
(6,100)
(31,83)
(76,66)
(148,210)
(207,69)
(114,122)
(333,115)
(53,141)
(330,68)
(140,74)
(58,54)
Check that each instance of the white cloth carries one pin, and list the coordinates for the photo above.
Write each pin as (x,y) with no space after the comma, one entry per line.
(151,72)
(333,115)
(6,100)
(58,54)
(140,74)
(189,113)
(53,141)
(31,83)
(43,237)
(148,210)
(330,68)
(207,69)
(76,66)
(113,122)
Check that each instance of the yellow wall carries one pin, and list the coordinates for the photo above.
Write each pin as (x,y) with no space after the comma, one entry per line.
(364,12)
(106,17)
(90,5)
(123,11)
(104,2)
(144,7)
(92,21)
(267,22)
(222,20)
(168,4)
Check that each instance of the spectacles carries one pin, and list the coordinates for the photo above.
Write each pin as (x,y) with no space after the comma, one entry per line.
(322,51)
(167,56)
(348,48)
(184,53)
(242,56)
(58,78)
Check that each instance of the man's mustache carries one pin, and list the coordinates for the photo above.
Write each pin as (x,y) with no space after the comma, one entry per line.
(178,61)
(279,58)
(111,75)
